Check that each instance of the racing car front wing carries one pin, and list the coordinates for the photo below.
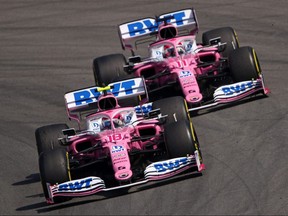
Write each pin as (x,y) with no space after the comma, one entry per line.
(222,95)
(154,172)
(235,92)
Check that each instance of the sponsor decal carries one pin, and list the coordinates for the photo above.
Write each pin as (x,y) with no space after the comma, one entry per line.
(95,125)
(119,156)
(189,46)
(75,185)
(237,88)
(128,118)
(117,148)
(84,96)
(150,25)
(145,108)
(184,74)
(120,89)
(170,164)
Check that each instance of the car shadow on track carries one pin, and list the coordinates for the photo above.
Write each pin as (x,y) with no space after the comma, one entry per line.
(33,178)
(43,207)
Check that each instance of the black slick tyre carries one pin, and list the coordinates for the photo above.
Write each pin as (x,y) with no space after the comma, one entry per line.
(47,137)
(54,169)
(108,69)
(244,64)
(227,35)
(180,139)
(175,107)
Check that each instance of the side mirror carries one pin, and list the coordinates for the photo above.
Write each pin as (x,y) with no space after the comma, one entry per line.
(134,59)
(69,132)
(215,41)
(154,113)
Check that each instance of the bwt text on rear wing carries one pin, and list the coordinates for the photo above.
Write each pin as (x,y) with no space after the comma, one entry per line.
(143,30)
(85,99)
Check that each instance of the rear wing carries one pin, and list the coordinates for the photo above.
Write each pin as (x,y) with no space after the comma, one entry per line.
(85,100)
(144,30)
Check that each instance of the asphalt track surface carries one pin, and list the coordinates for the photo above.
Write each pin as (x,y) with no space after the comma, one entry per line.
(47,48)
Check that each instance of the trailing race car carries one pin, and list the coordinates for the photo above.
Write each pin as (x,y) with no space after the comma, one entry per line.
(116,147)
(213,72)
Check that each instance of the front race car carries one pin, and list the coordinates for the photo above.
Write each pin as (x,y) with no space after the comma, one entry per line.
(118,147)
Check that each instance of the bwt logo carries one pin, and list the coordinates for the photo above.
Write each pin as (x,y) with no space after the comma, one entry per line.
(150,25)
(145,108)
(84,97)
(76,185)
(170,165)
(229,90)
(117,149)
(95,125)
(185,74)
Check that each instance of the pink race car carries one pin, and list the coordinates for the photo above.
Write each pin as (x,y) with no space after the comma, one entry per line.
(115,147)
(216,71)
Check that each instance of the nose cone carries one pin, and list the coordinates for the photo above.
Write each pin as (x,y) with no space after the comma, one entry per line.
(121,162)
(123,175)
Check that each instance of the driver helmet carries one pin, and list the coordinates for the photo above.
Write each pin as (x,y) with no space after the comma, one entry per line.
(118,121)
(180,48)
(168,51)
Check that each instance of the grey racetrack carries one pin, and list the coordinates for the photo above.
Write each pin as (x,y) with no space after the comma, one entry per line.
(47,48)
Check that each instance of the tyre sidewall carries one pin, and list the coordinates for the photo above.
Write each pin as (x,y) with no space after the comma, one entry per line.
(244,64)
(228,35)
(47,137)
(180,139)
(54,169)
(175,107)
(108,69)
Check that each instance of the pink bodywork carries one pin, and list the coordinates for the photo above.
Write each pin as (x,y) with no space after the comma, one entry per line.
(104,138)
(116,143)
(177,65)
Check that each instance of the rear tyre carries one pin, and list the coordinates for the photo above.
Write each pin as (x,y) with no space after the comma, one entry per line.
(244,64)
(54,169)
(108,69)
(180,139)
(175,107)
(227,35)
(47,137)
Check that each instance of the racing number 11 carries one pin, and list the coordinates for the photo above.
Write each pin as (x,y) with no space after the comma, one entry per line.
(114,137)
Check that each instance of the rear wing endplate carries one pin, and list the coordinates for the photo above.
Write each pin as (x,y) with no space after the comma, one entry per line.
(144,30)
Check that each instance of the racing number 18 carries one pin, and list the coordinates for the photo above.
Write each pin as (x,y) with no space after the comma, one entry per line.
(114,137)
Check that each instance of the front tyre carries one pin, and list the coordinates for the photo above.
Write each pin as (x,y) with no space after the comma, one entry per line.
(175,107)
(227,35)
(244,64)
(54,169)
(180,138)
(47,137)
